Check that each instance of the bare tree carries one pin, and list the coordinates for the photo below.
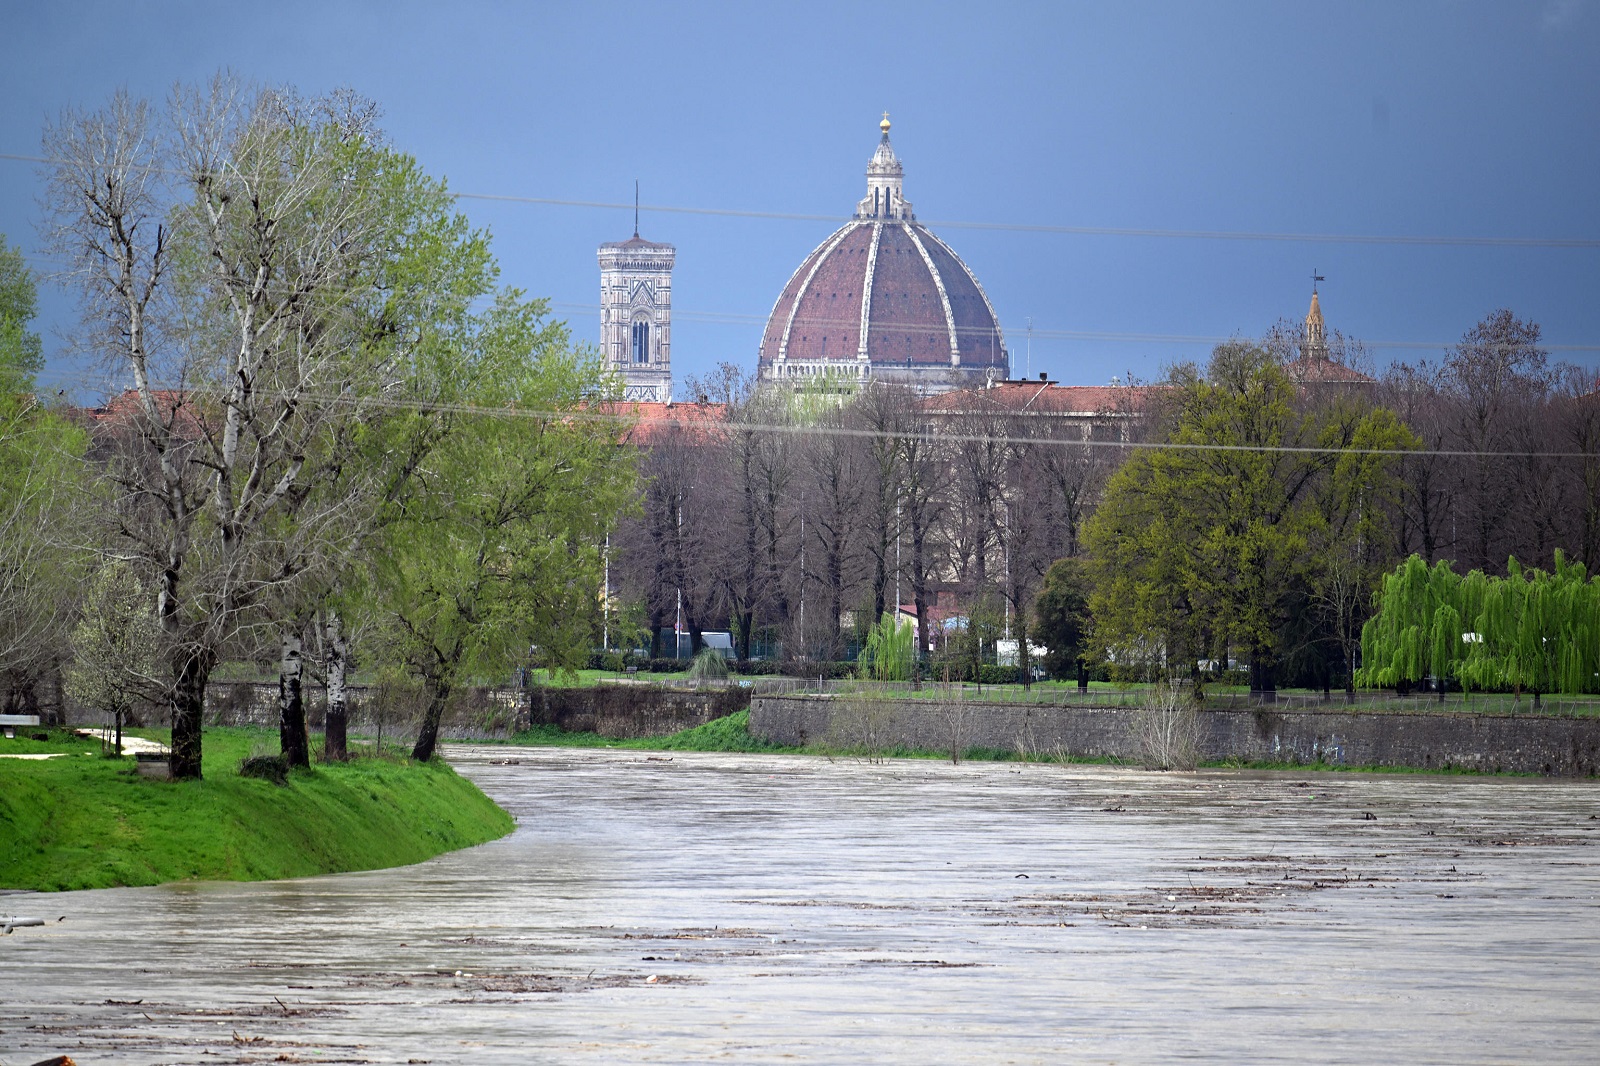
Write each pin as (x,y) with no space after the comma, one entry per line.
(833,482)
(241,366)
(1494,383)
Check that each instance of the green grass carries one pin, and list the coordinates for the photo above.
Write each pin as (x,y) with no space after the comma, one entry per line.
(729,733)
(84,821)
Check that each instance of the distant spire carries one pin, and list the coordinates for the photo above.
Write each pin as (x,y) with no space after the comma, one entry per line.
(635,207)
(1314,342)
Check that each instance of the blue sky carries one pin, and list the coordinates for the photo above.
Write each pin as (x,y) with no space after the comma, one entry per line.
(1382,119)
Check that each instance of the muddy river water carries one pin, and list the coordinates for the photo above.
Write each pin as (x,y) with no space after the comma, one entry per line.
(791,909)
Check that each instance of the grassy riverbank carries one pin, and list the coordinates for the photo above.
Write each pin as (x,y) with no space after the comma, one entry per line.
(83,821)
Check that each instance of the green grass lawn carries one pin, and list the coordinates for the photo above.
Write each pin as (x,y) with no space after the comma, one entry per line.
(84,821)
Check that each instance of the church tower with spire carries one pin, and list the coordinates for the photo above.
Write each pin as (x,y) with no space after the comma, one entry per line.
(1314,342)
(1316,367)
(636,314)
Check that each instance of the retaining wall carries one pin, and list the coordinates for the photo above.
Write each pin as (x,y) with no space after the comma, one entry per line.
(1505,743)
(616,711)
(625,711)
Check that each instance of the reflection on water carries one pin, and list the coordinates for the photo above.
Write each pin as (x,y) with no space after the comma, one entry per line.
(771,908)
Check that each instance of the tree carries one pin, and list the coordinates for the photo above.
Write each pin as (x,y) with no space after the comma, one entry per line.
(114,664)
(1531,629)
(44,501)
(221,250)
(1494,384)
(1062,619)
(42,488)
(495,543)
(21,355)
(888,652)
(1206,543)
(833,477)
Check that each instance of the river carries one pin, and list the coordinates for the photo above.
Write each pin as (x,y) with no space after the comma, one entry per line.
(780,909)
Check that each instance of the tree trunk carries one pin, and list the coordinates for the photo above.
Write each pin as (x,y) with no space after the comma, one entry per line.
(745,621)
(1083,676)
(1262,684)
(187,704)
(1022,652)
(336,725)
(292,738)
(428,735)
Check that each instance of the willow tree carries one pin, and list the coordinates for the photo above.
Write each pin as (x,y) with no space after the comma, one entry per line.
(1417,633)
(1531,630)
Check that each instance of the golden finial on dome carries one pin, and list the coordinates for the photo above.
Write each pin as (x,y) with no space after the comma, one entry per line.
(884,125)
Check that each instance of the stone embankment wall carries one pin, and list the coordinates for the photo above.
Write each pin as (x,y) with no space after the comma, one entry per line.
(617,711)
(1503,743)
(625,711)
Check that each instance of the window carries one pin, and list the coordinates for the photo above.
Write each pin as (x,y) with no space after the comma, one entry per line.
(641,342)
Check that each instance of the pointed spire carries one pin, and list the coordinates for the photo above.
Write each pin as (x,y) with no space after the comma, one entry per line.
(1314,345)
(636,207)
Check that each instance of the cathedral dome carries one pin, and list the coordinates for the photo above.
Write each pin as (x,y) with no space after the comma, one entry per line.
(883,297)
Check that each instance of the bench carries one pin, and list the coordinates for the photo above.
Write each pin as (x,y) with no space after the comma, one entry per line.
(9,723)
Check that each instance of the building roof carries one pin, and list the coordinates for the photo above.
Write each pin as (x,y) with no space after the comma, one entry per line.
(655,421)
(1046,398)
(1324,371)
(884,290)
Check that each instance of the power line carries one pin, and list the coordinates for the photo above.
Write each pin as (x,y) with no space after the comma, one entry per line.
(1008,227)
(853,324)
(712,423)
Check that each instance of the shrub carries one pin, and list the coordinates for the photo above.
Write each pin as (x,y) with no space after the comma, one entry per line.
(890,651)
(709,665)
(1166,731)
(274,768)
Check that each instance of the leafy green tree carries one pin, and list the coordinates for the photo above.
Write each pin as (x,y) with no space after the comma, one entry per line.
(1209,542)
(21,355)
(1531,630)
(890,651)
(45,499)
(239,254)
(1062,620)
(494,544)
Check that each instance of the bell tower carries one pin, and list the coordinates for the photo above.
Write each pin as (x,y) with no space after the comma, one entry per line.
(636,314)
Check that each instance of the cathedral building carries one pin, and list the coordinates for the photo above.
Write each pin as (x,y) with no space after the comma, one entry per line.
(883,298)
(636,315)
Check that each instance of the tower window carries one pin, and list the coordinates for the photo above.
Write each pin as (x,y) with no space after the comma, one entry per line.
(641,342)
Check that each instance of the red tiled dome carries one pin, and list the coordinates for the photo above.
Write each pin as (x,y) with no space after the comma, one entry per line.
(883,293)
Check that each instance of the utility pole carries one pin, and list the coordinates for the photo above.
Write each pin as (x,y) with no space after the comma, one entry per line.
(677,625)
(1006,547)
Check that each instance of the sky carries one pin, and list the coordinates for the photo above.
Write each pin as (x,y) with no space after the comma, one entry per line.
(1244,145)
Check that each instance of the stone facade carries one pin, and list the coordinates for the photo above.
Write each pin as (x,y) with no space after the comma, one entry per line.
(636,316)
